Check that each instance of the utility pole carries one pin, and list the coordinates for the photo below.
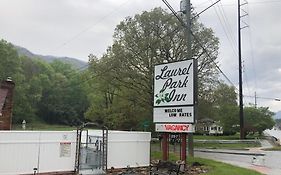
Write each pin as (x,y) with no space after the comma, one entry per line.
(186,9)
(241,112)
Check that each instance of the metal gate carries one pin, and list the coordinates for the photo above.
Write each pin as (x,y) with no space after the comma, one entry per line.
(92,152)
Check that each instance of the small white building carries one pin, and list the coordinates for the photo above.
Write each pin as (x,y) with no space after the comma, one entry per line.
(215,129)
(209,127)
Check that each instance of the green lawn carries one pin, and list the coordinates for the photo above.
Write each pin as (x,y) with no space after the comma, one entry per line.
(237,146)
(210,137)
(219,168)
(230,137)
(44,127)
(226,145)
(214,167)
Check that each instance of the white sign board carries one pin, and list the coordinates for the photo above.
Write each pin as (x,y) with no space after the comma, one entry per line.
(181,114)
(174,92)
(65,149)
(173,84)
(179,128)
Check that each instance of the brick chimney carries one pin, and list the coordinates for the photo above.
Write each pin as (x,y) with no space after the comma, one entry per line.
(6,104)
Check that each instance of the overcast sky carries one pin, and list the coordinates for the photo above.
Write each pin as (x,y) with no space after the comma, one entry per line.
(76,28)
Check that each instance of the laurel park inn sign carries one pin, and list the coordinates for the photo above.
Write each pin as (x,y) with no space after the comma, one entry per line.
(174,93)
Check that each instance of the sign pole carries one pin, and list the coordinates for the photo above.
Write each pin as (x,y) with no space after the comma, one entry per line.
(183,147)
(165,146)
(190,145)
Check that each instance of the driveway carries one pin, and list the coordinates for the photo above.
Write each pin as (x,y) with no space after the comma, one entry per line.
(266,162)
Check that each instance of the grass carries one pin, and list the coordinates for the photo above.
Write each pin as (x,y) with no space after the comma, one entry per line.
(219,168)
(226,145)
(213,137)
(214,167)
(229,137)
(236,146)
(44,127)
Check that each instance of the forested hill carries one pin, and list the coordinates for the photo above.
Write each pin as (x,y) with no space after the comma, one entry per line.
(52,92)
(73,61)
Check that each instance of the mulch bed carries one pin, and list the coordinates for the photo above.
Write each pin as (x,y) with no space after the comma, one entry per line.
(162,168)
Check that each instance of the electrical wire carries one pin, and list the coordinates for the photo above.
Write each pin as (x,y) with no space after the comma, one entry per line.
(257,3)
(228,27)
(245,77)
(252,49)
(198,14)
(200,44)
(90,27)
(225,29)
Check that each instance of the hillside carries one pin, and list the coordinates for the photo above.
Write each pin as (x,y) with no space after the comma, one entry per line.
(73,61)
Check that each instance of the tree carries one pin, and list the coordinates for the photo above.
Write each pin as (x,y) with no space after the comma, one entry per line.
(10,66)
(9,60)
(142,41)
(64,101)
(258,119)
(220,104)
(44,92)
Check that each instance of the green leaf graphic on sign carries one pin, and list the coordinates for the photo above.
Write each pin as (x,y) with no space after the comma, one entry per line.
(162,97)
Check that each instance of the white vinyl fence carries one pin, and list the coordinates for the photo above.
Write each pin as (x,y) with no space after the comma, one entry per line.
(21,152)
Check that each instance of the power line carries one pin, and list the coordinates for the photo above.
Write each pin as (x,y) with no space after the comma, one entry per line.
(246,77)
(228,27)
(198,14)
(81,68)
(198,41)
(201,4)
(256,3)
(224,21)
(252,48)
(267,98)
(225,28)
(205,50)
(90,27)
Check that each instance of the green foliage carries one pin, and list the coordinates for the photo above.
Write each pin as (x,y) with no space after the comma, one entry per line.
(123,77)
(64,101)
(43,92)
(219,168)
(9,60)
(220,105)
(258,119)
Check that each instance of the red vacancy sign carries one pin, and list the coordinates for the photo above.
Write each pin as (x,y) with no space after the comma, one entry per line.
(179,128)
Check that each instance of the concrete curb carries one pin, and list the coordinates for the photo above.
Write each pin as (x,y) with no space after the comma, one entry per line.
(230,152)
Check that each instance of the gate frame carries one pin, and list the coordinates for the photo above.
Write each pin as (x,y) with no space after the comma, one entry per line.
(79,141)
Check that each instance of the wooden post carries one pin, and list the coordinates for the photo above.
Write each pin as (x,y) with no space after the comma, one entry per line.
(183,147)
(165,146)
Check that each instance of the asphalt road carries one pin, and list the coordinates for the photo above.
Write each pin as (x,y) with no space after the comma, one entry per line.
(267,164)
